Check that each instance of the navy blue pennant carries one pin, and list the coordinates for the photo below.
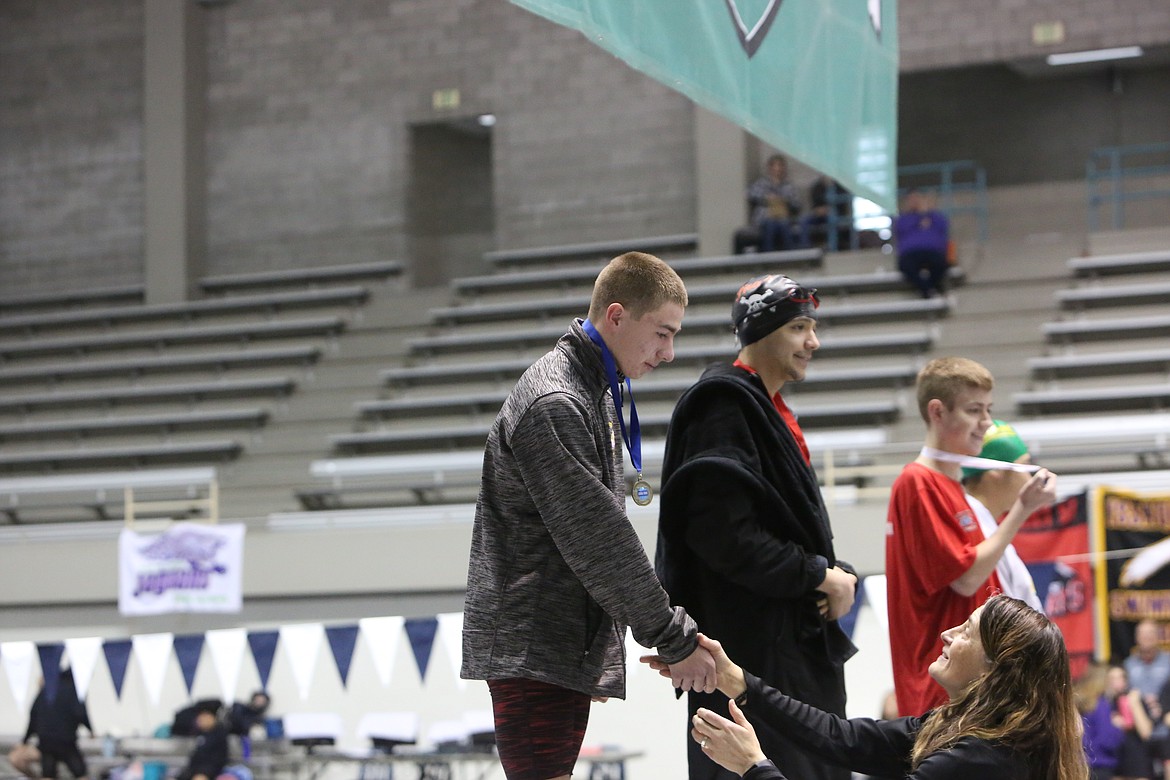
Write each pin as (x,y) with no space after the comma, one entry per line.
(187,650)
(117,652)
(263,645)
(342,641)
(421,632)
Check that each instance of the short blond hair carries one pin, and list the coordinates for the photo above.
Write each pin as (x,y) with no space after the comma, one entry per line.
(638,281)
(944,378)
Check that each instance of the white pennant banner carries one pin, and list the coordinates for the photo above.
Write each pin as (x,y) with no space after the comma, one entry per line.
(153,651)
(451,631)
(302,645)
(83,658)
(633,652)
(17,658)
(226,647)
(383,635)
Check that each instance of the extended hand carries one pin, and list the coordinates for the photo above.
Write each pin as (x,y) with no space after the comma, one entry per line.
(696,672)
(1039,491)
(730,743)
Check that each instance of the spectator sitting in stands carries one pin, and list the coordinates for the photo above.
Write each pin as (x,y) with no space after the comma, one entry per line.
(923,235)
(826,196)
(775,205)
(210,754)
(241,718)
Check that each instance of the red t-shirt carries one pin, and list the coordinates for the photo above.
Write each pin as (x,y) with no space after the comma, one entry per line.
(785,413)
(931,535)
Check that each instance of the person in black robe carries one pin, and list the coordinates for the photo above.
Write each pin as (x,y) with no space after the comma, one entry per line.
(744,542)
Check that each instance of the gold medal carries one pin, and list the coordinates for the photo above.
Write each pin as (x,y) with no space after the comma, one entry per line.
(643,494)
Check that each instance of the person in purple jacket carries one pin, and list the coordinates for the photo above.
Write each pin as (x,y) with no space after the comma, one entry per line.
(922,234)
(1102,737)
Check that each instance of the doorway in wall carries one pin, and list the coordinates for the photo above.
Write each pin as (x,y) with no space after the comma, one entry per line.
(450,211)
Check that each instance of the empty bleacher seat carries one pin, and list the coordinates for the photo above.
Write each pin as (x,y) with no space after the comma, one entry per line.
(213,362)
(102,495)
(213,419)
(111,396)
(57,299)
(593,250)
(1129,263)
(474,434)
(1091,399)
(360,482)
(301,276)
(504,369)
(163,337)
(563,307)
(1114,295)
(188,310)
(121,457)
(1100,363)
(863,377)
(1107,329)
(515,281)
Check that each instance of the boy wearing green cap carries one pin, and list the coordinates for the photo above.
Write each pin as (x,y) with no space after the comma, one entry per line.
(991,493)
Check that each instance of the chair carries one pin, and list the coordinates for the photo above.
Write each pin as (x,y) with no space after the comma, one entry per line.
(386,730)
(312,729)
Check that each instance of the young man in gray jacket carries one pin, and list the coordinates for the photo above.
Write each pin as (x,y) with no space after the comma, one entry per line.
(557,571)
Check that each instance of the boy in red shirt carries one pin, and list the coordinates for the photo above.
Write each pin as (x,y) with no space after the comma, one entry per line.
(939,566)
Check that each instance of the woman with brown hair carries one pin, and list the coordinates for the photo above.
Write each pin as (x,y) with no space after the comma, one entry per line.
(1011,712)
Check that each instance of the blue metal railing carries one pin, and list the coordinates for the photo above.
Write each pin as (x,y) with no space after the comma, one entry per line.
(1110,169)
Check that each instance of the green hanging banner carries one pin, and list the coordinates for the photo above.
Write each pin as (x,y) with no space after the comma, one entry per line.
(817,79)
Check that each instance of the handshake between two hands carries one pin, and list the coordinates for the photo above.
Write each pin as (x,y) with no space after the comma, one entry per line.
(707,669)
(696,672)
(730,742)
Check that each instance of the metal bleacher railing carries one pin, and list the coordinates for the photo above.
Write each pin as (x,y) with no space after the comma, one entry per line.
(1111,172)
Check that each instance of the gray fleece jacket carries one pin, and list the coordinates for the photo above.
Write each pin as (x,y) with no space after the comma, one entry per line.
(557,571)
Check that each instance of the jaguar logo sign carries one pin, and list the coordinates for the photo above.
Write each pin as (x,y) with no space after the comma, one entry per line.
(751,39)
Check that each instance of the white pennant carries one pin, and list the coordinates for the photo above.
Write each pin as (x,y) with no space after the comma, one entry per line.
(226,647)
(875,593)
(153,651)
(383,635)
(302,645)
(83,658)
(633,652)
(17,658)
(451,630)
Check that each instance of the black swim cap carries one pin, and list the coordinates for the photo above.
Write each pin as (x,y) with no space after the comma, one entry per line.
(765,303)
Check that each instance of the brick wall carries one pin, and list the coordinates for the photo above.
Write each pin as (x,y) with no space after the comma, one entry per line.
(70,144)
(310,104)
(944,33)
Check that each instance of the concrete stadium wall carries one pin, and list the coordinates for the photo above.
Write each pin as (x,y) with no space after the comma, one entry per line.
(310,104)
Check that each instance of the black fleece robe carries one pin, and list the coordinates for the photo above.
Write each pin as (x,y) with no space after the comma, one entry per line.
(743,542)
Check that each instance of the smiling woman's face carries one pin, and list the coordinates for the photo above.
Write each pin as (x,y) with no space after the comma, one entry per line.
(963,660)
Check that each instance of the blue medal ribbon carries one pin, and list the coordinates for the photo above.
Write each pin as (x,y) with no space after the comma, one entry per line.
(633,439)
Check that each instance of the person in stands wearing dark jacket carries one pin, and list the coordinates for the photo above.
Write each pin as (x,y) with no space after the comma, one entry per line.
(210,754)
(54,719)
(1011,713)
(744,543)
